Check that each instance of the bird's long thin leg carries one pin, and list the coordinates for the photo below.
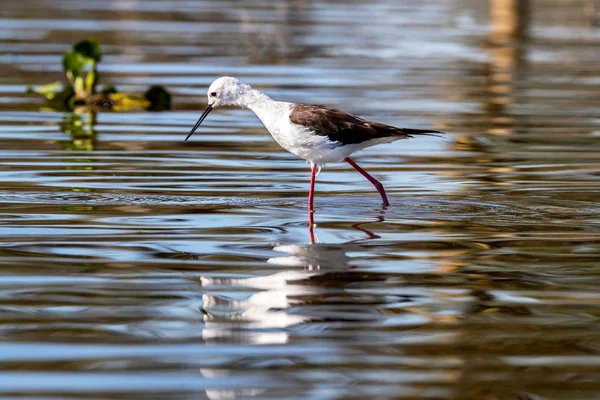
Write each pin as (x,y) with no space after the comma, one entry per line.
(311,192)
(374,181)
(311,226)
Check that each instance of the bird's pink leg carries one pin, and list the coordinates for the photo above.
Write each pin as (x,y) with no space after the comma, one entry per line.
(374,181)
(311,192)
(311,226)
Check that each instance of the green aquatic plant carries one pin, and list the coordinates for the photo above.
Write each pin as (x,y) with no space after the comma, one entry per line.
(80,91)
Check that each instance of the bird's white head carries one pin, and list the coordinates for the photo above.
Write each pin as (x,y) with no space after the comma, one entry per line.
(225,91)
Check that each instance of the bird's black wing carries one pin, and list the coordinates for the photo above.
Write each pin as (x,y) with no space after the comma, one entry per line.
(340,126)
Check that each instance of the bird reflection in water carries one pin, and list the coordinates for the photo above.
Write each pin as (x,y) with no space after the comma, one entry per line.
(258,309)
(315,255)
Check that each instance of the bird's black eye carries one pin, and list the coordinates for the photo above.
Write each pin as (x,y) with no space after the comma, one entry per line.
(213,94)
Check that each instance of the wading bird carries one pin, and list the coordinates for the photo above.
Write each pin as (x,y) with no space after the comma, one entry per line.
(318,134)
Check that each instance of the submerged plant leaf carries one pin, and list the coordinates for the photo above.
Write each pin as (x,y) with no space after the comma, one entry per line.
(125,102)
(73,63)
(89,49)
(90,82)
(109,90)
(57,95)
(159,98)
(49,91)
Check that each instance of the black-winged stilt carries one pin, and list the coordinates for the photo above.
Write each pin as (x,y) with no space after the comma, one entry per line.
(318,134)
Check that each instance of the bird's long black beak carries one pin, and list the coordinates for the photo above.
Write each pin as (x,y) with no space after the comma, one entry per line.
(204,114)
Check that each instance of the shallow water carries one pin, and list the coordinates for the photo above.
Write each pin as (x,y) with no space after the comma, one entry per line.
(136,265)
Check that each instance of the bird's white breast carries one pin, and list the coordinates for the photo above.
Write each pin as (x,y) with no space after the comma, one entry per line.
(296,139)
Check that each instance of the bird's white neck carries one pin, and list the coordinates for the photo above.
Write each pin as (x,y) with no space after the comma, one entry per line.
(269,111)
(251,98)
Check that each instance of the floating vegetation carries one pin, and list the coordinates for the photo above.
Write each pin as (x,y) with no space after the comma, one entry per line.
(80,91)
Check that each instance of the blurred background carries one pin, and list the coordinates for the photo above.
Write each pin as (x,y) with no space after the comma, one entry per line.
(136,265)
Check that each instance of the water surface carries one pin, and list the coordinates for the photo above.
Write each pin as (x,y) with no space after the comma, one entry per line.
(136,265)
